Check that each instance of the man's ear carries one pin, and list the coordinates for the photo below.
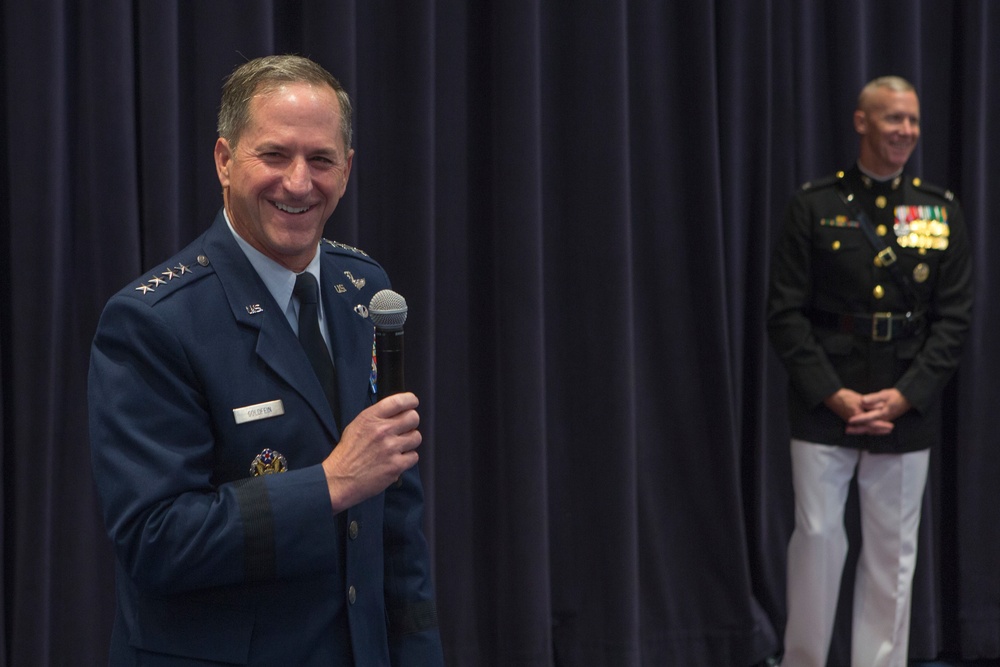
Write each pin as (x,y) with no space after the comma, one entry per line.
(223,160)
(860,122)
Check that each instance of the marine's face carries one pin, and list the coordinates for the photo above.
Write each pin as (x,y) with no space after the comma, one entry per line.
(288,171)
(889,125)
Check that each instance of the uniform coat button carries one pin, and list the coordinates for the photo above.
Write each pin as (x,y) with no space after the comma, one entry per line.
(352,594)
(352,530)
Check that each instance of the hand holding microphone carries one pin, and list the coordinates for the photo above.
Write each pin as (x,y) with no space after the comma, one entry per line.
(381,443)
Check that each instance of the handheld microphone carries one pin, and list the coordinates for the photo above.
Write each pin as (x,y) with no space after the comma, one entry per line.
(387,311)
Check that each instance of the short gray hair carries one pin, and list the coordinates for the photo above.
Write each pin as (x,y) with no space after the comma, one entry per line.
(894,83)
(263,75)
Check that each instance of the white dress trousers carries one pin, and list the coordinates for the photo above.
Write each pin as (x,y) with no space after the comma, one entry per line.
(891,489)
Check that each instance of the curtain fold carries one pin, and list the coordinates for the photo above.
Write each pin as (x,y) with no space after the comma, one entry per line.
(579,205)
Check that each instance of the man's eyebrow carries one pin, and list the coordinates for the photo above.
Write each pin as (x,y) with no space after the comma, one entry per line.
(267,146)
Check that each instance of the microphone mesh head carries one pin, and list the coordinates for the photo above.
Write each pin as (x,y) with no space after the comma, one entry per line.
(387,310)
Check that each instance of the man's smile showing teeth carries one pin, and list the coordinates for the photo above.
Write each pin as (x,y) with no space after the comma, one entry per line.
(290,209)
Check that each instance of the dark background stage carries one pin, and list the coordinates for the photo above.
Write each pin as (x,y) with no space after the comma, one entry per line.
(578,201)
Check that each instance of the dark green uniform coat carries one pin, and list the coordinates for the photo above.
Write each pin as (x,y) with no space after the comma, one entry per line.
(826,285)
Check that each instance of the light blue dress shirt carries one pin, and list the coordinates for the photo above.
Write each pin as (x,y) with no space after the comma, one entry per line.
(281,281)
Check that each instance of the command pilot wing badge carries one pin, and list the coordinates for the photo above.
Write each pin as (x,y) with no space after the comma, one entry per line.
(357,282)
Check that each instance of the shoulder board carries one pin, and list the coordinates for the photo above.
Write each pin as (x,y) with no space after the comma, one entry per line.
(824,182)
(344,249)
(919,184)
(344,246)
(170,277)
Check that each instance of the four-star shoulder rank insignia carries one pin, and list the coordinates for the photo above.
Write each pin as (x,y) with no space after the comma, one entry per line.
(155,281)
(344,246)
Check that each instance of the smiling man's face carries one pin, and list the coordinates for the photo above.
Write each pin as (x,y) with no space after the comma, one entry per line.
(289,169)
(889,125)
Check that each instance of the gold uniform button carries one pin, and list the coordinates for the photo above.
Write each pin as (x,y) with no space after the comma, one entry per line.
(352,595)
(878,292)
(881,230)
(352,530)
(880,202)
(835,245)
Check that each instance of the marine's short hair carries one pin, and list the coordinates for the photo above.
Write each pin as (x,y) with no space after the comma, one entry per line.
(892,82)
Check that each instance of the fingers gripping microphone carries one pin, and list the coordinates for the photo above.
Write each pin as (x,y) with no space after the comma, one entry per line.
(387,311)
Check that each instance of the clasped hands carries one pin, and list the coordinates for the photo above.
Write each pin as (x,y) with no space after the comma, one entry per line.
(868,414)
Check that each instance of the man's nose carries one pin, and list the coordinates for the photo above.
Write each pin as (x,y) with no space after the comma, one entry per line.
(298,178)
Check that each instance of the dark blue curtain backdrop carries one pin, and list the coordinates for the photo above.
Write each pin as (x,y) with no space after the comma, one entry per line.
(578,201)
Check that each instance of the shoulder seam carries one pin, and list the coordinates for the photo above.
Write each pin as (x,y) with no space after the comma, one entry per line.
(824,182)
(944,193)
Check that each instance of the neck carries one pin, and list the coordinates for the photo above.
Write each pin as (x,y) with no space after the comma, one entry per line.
(875,175)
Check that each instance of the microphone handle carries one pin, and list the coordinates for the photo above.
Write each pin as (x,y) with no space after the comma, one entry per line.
(389,356)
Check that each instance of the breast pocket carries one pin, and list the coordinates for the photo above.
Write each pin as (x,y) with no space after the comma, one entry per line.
(836,251)
(920,268)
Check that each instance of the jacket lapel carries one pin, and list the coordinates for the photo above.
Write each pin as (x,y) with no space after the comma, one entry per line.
(253,306)
(351,335)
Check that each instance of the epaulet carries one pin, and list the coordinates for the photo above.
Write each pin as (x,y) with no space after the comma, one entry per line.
(344,246)
(944,193)
(824,182)
(344,249)
(170,277)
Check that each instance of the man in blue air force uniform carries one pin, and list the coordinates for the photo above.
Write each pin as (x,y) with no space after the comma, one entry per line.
(869,304)
(200,389)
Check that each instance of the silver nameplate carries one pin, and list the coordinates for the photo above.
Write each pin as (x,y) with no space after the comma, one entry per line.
(260,411)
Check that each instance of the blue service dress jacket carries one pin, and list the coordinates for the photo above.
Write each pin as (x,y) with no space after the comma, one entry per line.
(194,372)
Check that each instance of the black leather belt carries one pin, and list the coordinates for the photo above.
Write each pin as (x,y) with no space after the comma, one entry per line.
(880,327)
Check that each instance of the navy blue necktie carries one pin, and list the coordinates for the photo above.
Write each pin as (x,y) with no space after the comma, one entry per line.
(307,292)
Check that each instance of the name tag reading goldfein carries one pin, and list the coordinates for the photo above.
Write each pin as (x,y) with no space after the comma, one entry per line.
(259,411)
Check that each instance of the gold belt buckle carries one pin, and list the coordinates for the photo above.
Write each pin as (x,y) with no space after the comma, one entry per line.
(882,327)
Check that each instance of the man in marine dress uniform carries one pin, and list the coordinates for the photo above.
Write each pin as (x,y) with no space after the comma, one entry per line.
(264,508)
(869,303)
